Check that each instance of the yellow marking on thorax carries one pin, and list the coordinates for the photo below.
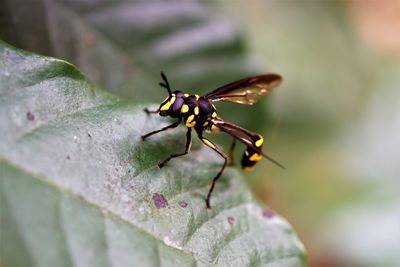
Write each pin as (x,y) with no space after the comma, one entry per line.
(191,124)
(197,97)
(184,108)
(260,141)
(214,128)
(208,143)
(190,121)
(255,157)
(167,105)
(205,123)
(214,114)
(186,95)
(196,110)
(190,118)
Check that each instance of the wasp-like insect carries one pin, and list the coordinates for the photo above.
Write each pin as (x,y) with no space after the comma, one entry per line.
(198,113)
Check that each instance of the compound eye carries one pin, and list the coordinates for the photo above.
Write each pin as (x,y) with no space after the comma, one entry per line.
(177,104)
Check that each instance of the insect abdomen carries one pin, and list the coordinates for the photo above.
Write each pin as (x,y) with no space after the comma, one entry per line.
(250,155)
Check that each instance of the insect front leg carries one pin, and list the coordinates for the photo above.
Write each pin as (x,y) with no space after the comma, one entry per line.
(187,149)
(222,154)
(174,125)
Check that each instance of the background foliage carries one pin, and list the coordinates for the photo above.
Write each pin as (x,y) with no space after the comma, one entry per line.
(336,123)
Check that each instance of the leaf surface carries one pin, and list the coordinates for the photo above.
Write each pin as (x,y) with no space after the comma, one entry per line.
(78,186)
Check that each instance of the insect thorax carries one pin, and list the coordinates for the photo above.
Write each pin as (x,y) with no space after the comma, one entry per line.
(195,111)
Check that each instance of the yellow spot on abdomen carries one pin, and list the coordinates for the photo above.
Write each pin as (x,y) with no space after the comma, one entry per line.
(196,110)
(259,142)
(167,105)
(186,95)
(214,114)
(255,157)
(184,108)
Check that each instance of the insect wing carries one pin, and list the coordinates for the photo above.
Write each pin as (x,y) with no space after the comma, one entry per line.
(246,91)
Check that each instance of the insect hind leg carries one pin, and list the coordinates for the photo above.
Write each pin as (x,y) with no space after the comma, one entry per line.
(216,177)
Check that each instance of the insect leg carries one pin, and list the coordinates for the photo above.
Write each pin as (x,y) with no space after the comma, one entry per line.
(222,154)
(174,125)
(232,152)
(187,149)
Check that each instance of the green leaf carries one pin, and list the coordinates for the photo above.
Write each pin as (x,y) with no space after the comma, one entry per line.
(78,187)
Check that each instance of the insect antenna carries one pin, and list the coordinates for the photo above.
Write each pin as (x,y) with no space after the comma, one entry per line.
(166,83)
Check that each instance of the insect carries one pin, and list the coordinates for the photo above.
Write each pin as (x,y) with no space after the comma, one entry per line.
(198,113)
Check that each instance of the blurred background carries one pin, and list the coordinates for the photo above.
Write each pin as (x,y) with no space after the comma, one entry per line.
(334,122)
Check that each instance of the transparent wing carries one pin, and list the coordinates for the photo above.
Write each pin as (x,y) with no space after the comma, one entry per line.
(246,91)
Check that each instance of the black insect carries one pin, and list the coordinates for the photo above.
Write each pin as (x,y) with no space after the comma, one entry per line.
(198,113)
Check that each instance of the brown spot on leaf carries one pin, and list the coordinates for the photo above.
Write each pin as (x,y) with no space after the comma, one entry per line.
(183,204)
(30,116)
(268,214)
(160,201)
